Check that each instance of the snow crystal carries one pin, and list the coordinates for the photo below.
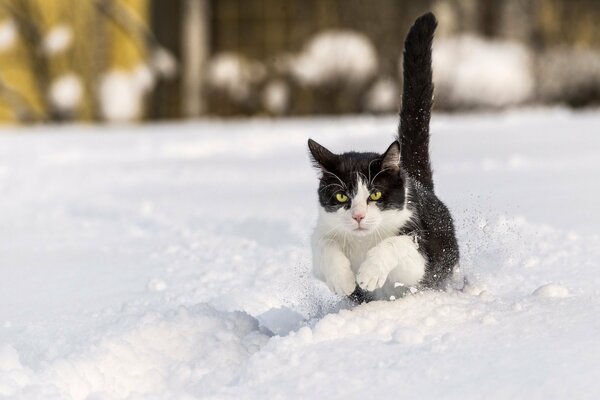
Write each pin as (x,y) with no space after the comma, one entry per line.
(157,285)
(408,336)
(335,56)
(281,320)
(66,92)
(551,290)
(473,289)
(58,39)
(9,358)
(8,34)
(489,320)
(470,71)
(120,96)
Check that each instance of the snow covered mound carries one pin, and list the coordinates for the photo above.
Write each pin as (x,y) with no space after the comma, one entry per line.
(473,72)
(143,265)
(335,56)
(234,75)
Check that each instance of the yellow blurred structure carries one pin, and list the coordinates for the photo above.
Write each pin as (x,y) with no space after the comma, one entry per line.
(132,60)
(53,54)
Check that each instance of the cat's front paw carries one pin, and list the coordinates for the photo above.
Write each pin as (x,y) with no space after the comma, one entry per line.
(371,274)
(341,282)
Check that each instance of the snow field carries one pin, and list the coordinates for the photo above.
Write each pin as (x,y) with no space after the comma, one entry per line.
(172,262)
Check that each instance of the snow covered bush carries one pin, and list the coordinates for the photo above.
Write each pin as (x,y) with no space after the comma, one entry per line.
(8,34)
(335,57)
(233,83)
(276,97)
(331,72)
(472,72)
(123,92)
(233,75)
(121,96)
(568,75)
(66,93)
(382,97)
(58,39)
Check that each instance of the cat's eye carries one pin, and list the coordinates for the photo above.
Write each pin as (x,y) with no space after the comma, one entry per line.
(375,196)
(341,197)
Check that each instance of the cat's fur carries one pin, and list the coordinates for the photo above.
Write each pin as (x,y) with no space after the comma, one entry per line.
(375,249)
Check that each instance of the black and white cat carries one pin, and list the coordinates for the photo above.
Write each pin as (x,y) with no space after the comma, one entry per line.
(381,229)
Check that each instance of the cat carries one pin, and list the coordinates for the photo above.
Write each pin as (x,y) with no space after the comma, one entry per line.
(381,230)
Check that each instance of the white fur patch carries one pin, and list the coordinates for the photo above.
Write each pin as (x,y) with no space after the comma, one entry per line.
(374,253)
(395,259)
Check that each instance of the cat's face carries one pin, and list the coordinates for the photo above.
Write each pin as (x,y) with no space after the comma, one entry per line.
(360,193)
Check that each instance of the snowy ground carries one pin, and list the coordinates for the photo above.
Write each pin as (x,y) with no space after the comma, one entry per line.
(171,262)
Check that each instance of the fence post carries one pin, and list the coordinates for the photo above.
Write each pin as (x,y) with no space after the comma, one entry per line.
(195,49)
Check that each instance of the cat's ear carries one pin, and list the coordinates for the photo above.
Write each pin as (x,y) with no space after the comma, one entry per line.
(391,158)
(322,158)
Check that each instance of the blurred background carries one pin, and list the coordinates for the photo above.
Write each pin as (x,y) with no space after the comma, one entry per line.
(137,60)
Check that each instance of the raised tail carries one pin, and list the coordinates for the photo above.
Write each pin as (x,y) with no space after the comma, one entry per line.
(417,100)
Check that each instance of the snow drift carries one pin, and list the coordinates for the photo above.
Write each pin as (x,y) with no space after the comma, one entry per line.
(142,265)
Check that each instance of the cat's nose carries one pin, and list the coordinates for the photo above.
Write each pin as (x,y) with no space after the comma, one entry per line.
(358,217)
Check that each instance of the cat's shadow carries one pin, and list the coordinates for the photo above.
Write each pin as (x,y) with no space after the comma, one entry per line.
(280,321)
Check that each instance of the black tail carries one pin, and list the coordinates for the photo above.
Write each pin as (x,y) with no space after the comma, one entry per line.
(417,99)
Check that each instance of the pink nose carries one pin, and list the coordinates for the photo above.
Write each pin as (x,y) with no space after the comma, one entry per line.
(358,217)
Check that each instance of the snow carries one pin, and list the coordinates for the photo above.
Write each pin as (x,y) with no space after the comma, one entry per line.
(121,95)
(276,96)
(144,77)
(66,92)
(551,290)
(58,39)
(8,34)
(172,262)
(234,75)
(335,56)
(164,63)
(383,96)
(470,71)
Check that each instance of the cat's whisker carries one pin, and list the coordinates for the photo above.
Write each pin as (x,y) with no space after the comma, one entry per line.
(369,167)
(377,174)
(359,174)
(378,234)
(331,230)
(331,184)
(337,177)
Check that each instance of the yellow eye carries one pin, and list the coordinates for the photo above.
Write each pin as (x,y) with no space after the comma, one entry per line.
(375,196)
(341,197)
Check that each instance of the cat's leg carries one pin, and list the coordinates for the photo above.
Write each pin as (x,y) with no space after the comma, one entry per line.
(333,268)
(396,257)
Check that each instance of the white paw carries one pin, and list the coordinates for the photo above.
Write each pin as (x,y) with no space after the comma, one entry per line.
(371,274)
(341,282)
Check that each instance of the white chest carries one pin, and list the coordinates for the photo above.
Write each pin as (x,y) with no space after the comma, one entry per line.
(356,248)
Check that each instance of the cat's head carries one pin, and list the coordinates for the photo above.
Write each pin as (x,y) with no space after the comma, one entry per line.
(360,193)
